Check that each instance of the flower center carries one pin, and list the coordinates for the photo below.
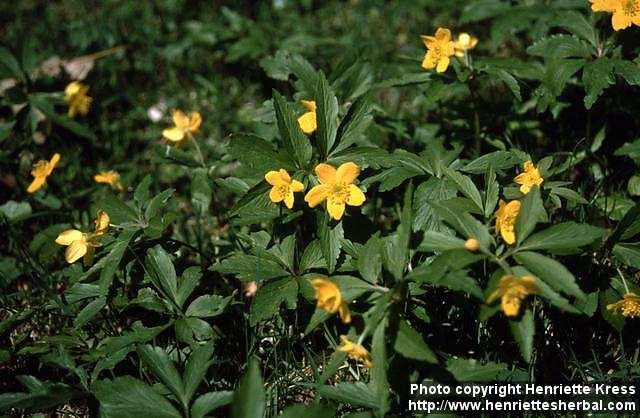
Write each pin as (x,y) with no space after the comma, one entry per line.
(631,7)
(339,192)
(283,190)
(40,169)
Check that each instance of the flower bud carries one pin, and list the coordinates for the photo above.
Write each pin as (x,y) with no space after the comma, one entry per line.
(472,244)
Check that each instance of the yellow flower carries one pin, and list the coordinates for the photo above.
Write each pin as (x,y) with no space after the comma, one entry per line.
(283,187)
(40,171)
(184,126)
(506,216)
(628,306)
(112,178)
(80,244)
(307,121)
(330,299)
(75,94)
(513,290)
(464,43)
(529,178)
(625,12)
(354,351)
(337,188)
(440,48)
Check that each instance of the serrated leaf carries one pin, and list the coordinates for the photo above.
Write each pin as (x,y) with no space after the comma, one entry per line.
(523,330)
(597,76)
(410,344)
(551,271)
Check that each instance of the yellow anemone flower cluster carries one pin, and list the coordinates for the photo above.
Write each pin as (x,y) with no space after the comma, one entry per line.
(111,177)
(512,290)
(82,245)
(529,177)
(628,306)
(75,94)
(184,126)
(441,47)
(336,187)
(329,299)
(40,171)
(354,351)
(625,12)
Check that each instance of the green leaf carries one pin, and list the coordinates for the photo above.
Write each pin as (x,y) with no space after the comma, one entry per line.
(126,397)
(295,141)
(157,360)
(9,61)
(564,236)
(88,312)
(523,330)
(410,344)
(326,115)
(472,370)
(466,186)
(209,402)
(14,211)
(531,212)
(597,76)
(5,129)
(207,306)
(551,271)
(330,240)
(378,383)
(404,80)
(432,190)
(628,70)
(201,191)
(628,253)
(356,394)
(396,254)
(577,24)
(249,398)
(257,155)
(196,369)
(249,267)
(354,123)
(162,272)
(308,411)
(270,296)
(436,241)
(561,46)
(370,259)
(118,211)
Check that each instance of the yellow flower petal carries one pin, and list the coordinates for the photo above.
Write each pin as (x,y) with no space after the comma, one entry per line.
(443,64)
(326,173)
(180,119)
(335,209)
(274,178)
(195,120)
(36,184)
(308,122)
(275,195)
(296,186)
(310,105)
(101,222)
(356,196)
(288,199)
(316,195)
(347,172)
(443,34)
(345,313)
(174,134)
(75,251)
(68,236)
